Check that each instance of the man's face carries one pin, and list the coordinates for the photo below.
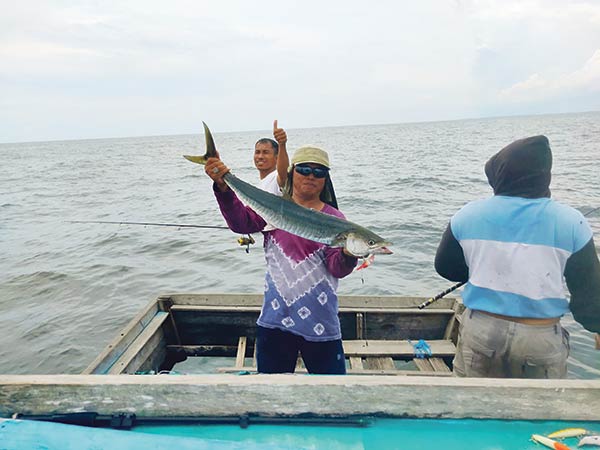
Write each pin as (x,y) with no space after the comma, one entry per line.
(308,186)
(264,157)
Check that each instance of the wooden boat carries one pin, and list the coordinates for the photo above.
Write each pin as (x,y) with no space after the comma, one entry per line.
(379,334)
(386,377)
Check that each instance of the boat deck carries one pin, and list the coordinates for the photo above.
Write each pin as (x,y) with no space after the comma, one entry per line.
(381,335)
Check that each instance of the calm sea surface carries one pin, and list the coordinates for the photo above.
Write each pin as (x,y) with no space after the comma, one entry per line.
(66,289)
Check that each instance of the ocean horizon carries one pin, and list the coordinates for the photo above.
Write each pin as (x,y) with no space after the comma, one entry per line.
(66,289)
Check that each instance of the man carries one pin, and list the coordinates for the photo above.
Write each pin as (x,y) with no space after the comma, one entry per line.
(514,249)
(299,312)
(271,161)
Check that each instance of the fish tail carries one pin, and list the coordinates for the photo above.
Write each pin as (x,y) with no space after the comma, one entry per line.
(211,149)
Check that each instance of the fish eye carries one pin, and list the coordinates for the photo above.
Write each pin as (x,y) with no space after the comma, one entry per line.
(371,242)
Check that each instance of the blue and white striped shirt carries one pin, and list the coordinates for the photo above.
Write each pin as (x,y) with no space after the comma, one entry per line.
(516,249)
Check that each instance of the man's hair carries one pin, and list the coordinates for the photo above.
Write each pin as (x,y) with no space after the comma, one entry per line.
(273,143)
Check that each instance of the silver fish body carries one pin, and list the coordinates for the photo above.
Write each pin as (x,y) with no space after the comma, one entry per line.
(293,218)
(307,223)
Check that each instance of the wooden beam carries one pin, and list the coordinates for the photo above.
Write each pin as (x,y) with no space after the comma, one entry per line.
(106,359)
(278,395)
(350,301)
(379,363)
(352,371)
(142,348)
(363,348)
(241,352)
(356,363)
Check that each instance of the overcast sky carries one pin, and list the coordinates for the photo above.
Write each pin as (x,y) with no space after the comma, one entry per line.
(87,69)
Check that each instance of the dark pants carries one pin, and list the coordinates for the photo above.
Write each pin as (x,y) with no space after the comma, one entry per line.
(277,352)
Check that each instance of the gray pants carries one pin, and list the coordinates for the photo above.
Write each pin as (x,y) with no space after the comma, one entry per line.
(497,348)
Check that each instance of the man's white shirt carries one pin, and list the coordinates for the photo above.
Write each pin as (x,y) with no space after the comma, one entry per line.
(269,184)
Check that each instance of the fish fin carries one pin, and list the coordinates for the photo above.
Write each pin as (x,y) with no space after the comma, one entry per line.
(196,159)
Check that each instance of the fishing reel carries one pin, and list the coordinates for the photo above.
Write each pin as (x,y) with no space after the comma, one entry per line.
(246,242)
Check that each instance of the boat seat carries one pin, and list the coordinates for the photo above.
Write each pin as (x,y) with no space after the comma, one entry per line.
(373,357)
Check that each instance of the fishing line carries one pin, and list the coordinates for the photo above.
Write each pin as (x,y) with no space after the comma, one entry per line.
(177,225)
(243,241)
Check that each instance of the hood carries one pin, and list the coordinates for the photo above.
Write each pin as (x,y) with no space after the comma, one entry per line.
(521,169)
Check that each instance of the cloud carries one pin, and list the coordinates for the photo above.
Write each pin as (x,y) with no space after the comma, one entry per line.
(311,63)
(538,87)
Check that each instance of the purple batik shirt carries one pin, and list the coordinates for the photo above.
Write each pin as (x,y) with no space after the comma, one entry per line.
(302,275)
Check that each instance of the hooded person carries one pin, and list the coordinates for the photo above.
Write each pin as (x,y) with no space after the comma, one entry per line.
(300,308)
(513,250)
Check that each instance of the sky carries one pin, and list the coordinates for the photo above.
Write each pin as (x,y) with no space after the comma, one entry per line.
(94,69)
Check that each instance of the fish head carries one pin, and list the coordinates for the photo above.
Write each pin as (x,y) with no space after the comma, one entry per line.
(589,440)
(362,243)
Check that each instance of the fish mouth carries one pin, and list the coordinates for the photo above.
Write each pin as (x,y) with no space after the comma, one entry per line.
(384,251)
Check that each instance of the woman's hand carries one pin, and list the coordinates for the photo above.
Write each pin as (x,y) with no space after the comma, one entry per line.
(215,169)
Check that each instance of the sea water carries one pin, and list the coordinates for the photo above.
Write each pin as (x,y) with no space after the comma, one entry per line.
(66,289)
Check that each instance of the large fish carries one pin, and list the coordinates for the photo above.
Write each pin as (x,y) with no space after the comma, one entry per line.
(284,214)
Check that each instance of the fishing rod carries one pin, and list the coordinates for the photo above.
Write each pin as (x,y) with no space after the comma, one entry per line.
(429,301)
(244,241)
(178,225)
(440,295)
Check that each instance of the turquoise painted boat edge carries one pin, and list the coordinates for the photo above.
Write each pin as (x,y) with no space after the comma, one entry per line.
(30,434)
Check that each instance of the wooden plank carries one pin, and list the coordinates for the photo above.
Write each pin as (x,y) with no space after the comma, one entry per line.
(205,350)
(356,363)
(241,352)
(359,302)
(401,311)
(400,326)
(140,346)
(215,327)
(152,356)
(218,308)
(379,363)
(431,364)
(218,299)
(452,328)
(106,359)
(439,365)
(371,372)
(390,310)
(423,364)
(278,396)
(395,348)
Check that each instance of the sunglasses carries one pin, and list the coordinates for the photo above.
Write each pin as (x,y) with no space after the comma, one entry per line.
(318,172)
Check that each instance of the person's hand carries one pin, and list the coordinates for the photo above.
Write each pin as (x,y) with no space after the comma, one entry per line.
(216,169)
(279,134)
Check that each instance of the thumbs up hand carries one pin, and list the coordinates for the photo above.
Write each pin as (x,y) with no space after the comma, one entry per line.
(279,134)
